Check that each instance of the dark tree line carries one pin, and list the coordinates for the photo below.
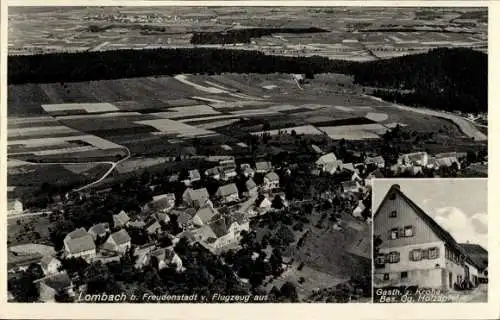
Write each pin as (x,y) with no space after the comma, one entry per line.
(444,78)
(245,35)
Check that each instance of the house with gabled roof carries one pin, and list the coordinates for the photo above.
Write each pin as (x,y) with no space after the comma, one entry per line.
(271,181)
(164,257)
(263,167)
(351,186)
(54,284)
(194,175)
(227,193)
(251,188)
(377,161)
(162,203)
(414,159)
(119,242)
(376,174)
(247,170)
(415,250)
(152,226)
(79,243)
(50,264)
(121,219)
(203,216)
(223,233)
(213,173)
(479,258)
(196,198)
(99,230)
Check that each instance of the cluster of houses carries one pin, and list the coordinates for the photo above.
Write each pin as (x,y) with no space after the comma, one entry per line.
(201,217)
(416,162)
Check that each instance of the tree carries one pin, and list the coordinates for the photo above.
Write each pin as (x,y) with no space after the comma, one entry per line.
(289,292)
(285,235)
(277,203)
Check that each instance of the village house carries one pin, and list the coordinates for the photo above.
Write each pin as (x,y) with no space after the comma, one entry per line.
(14,206)
(262,205)
(251,188)
(447,162)
(271,181)
(328,163)
(228,173)
(247,171)
(152,227)
(137,224)
(414,159)
(119,242)
(194,175)
(415,249)
(79,243)
(351,186)
(99,230)
(162,217)
(196,198)
(50,265)
(121,219)
(479,258)
(164,257)
(184,217)
(226,233)
(163,202)
(358,211)
(53,285)
(203,216)
(227,193)
(213,173)
(263,167)
(376,174)
(377,161)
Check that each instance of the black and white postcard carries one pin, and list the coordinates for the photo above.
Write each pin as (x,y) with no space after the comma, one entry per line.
(210,154)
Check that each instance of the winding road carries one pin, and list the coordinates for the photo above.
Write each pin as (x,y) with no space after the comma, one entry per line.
(467,126)
(113,166)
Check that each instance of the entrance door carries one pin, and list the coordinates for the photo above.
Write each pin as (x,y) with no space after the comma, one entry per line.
(450,280)
(467,273)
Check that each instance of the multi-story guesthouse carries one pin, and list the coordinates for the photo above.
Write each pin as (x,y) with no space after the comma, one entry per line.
(417,251)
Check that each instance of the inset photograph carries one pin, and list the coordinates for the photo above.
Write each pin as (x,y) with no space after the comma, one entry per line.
(430,240)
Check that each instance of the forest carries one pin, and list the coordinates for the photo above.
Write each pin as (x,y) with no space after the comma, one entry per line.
(245,35)
(446,79)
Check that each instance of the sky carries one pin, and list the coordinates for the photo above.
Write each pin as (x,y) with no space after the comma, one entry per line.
(460,206)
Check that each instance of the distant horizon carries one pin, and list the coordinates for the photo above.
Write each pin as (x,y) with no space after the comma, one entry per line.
(444,201)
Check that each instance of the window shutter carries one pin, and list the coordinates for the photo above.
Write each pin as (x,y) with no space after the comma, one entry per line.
(389,235)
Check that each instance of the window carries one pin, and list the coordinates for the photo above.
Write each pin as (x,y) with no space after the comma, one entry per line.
(393,234)
(393,257)
(416,255)
(404,275)
(408,231)
(434,253)
(386,276)
(393,214)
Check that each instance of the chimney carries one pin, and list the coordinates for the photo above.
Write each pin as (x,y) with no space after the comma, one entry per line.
(396,186)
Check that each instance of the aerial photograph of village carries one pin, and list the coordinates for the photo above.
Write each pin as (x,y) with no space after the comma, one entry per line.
(227,154)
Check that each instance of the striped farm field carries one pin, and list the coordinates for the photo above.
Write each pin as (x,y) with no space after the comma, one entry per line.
(55,174)
(355,132)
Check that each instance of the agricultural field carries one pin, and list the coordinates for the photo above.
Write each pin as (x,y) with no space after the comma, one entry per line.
(103,122)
